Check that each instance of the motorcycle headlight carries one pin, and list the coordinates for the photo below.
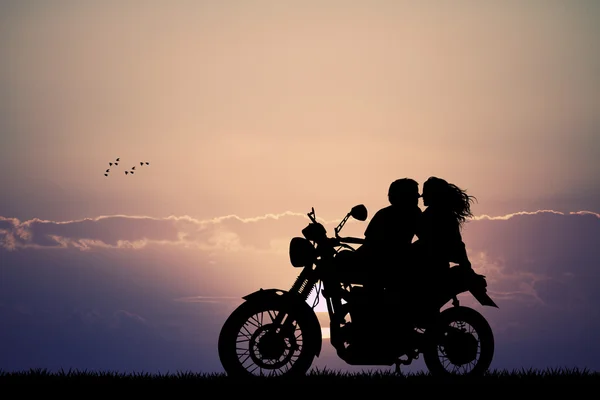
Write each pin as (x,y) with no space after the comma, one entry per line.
(302,252)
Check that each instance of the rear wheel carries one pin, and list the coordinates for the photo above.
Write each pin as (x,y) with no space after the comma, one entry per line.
(460,344)
(251,345)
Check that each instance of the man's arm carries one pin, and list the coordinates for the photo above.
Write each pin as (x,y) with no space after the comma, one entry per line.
(418,224)
(374,225)
(356,240)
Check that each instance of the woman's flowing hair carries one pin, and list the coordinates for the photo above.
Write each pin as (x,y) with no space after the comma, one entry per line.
(451,197)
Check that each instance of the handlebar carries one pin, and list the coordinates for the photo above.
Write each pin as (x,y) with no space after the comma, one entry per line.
(340,240)
(335,242)
(350,240)
(347,246)
(311,215)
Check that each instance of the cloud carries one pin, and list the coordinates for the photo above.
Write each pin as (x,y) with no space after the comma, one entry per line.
(546,257)
(542,269)
(88,292)
(118,231)
(545,243)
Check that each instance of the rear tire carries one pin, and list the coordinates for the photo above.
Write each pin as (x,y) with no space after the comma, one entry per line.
(461,343)
(246,351)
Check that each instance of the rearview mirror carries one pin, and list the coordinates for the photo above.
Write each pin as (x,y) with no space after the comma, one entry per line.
(359,212)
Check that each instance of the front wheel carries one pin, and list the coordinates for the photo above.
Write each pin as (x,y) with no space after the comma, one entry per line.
(251,345)
(460,344)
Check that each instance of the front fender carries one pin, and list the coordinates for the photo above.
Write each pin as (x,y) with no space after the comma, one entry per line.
(294,302)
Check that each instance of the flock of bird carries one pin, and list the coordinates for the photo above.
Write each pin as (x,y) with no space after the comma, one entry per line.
(131,171)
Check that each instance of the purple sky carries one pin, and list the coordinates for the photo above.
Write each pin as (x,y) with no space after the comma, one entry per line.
(128,293)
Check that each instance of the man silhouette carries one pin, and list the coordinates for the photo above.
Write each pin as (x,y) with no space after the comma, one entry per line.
(388,237)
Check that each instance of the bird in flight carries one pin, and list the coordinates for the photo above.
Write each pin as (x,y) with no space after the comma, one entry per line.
(131,171)
(110,164)
(116,162)
(142,163)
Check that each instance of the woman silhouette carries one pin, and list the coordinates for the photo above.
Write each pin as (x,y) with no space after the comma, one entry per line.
(439,231)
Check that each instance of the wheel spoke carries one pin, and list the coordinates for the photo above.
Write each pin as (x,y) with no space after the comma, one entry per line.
(445,359)
(246,358)
(254,321)
(248,333)
(262,350)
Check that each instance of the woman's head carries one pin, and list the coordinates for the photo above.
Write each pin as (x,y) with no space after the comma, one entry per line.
(439,193)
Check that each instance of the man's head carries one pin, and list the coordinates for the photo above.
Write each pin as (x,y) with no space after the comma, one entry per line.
(404,192)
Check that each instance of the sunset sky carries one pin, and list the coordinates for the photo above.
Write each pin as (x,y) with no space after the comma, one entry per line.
(252,112)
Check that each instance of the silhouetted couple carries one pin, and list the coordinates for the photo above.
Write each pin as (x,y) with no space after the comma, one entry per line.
(389,258)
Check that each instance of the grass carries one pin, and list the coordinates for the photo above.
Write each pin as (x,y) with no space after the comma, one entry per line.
(322,377)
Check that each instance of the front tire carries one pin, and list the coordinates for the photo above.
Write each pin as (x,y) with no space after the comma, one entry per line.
(460,344)
(249,348)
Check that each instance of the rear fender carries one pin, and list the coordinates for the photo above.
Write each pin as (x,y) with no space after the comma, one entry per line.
(295,303)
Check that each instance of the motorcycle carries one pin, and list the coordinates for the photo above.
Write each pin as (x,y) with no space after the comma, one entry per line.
(276,332)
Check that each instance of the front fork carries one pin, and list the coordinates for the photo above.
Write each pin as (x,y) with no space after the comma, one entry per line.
(302,287)
(332,293)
